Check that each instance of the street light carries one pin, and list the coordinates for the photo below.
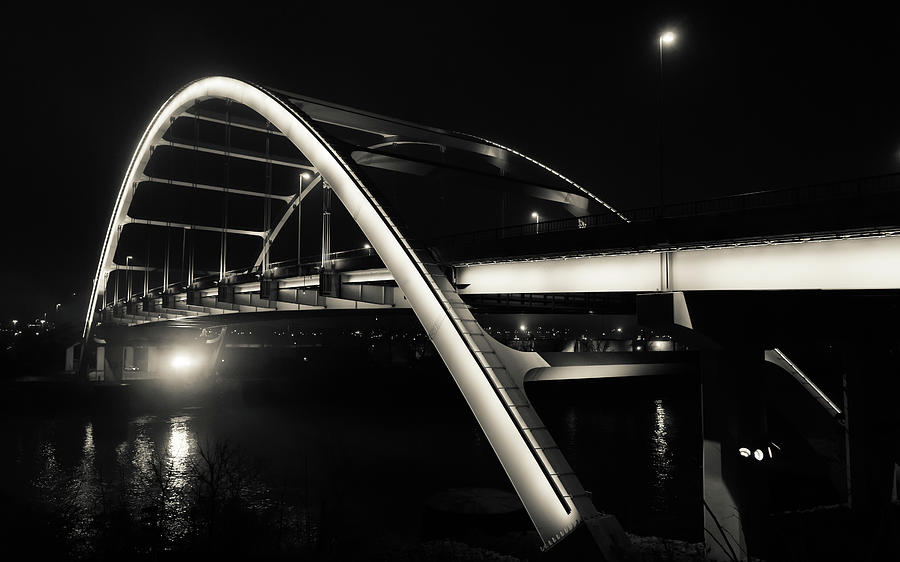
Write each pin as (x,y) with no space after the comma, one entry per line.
(666,38)
(303,176)
(537,220)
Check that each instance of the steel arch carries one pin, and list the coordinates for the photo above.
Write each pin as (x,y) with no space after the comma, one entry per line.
(552,511)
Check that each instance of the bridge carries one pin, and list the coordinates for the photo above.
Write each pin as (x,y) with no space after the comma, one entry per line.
(232,184)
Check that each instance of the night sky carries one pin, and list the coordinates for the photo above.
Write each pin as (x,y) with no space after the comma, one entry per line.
(756,97)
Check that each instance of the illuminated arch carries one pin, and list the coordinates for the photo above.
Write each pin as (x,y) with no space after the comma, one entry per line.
(541,487)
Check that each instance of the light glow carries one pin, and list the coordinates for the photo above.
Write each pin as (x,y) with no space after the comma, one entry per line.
(668,37)
(182,361)
(744,451)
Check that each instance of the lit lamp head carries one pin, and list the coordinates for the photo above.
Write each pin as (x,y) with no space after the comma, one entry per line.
(182,362)
(667,38)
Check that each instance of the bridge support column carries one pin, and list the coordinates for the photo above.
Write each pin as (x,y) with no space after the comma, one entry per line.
(733,416)
(101,362)
(327,281)
(152,360)
(110,360)
(723,532)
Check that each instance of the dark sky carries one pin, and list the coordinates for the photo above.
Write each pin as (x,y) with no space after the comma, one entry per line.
(756,96)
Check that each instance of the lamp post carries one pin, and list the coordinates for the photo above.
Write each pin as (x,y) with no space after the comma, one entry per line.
(128,275)
(666,38)
(303,176)
(537,221)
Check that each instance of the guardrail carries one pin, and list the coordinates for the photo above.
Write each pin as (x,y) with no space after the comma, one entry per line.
(807,194)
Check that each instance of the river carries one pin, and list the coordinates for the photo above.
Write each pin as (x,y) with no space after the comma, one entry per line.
(351,477)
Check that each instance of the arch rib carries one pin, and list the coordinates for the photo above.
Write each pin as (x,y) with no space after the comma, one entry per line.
(468,354)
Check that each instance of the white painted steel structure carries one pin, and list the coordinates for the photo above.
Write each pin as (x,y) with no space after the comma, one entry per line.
(871,262)
(541,477)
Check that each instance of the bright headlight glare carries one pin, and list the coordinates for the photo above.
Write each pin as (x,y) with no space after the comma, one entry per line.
(182,361)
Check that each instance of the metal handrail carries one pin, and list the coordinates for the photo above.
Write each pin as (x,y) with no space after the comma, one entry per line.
(857,188)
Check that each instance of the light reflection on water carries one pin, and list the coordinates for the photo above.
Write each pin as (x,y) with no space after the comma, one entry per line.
(88,448)
(49,472)
(661,456)
(634,446)
(141,472)
(182,447)
(147,462)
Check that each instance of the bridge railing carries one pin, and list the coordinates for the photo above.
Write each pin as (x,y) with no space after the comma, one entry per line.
(799,195)
(802,195)
(309,265)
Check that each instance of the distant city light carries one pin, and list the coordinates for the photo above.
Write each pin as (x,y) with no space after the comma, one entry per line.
(367,246)
(523,327)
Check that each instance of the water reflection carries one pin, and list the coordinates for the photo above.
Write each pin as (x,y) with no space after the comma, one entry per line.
(174,478)
(113,481)
(88,447)
(181,445)
(87,492)
(661,456)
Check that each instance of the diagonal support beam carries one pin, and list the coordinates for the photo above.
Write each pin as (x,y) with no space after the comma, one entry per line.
(219,188)
(233,122)
(777,357)
(293,204)
(238,154)
(186,226)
